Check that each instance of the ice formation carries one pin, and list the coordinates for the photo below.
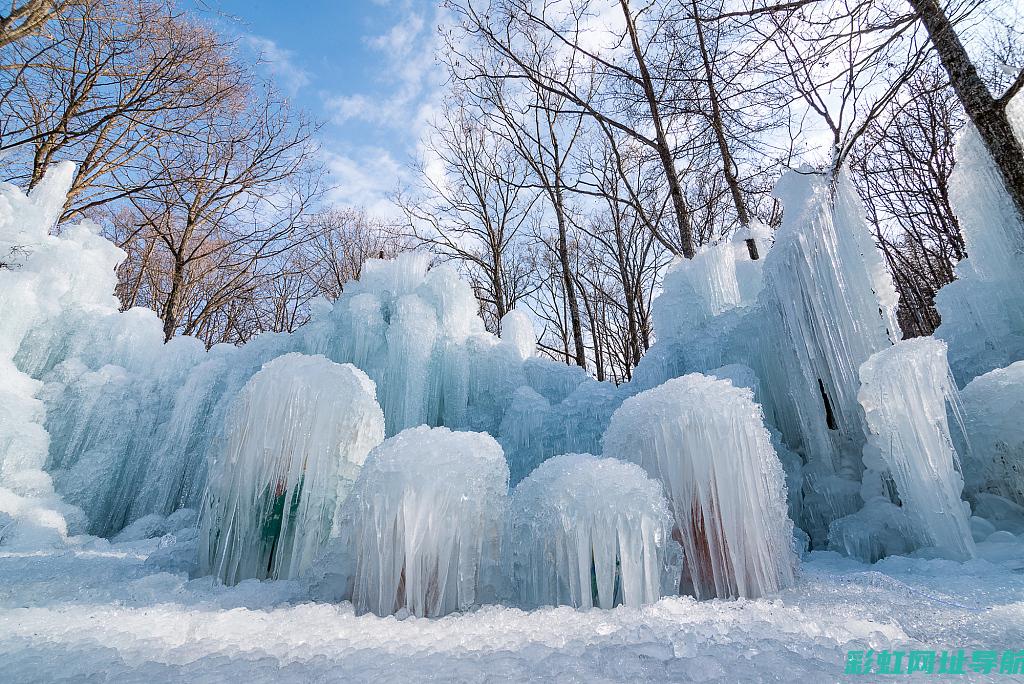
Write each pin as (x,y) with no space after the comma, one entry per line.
(587,531)
(983,309)
(421,527)
(295,439)
(993,406)
(803,317)
(126,426)
(905,393)
(829,305)
(102,426)
(706,442)
(36,286)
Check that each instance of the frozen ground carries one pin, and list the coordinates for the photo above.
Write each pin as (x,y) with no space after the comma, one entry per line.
(100,613)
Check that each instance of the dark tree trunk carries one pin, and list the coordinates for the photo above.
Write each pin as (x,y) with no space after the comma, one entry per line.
(986,112)
(171,308)
(682,212)
(567,282)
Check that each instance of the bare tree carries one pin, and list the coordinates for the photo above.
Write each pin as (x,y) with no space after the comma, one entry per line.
(231,198)
(341,240)
(986,111)
(474,209)
(27,18)
(902,167)
(633,81)
(114,80)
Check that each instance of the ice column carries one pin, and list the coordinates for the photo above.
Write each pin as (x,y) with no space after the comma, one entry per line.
(588,531)
(705,440)
(983,309)
(829,304)
(422,523)
(296,437)
(905,392)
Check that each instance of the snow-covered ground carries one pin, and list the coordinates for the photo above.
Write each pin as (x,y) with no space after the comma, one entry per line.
(101,612)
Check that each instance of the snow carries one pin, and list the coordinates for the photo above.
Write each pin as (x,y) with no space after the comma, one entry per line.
(420,529)
(99,612)
(588,531)
(704,439)
(296,438)
(905,393)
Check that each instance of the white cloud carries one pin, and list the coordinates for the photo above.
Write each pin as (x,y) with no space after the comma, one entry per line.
(409,76)
(279,63)
(364,177)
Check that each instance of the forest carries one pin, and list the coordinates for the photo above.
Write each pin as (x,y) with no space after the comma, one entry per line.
(580,148)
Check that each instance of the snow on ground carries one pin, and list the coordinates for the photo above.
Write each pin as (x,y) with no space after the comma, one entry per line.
(100,613)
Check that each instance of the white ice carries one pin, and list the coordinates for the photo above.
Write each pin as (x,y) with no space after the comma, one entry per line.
(420,530)
(705,440)
(993,406)
(294,443)
(905,393)
(587,531)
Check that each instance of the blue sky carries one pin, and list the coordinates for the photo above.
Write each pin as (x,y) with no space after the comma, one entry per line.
(365,68)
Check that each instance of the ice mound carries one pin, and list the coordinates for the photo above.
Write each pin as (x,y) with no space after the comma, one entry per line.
(294,442)
(587,531)
(993,413)
(422,524)
(705,440)
(905,391)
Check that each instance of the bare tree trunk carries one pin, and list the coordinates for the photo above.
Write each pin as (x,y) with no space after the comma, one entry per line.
(173,298)
(987,113)
(682,212)
(568,282)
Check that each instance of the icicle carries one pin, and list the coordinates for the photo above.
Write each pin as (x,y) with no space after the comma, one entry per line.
(422,522)
(706,442)
(296,437)
(587,531)
(905,392)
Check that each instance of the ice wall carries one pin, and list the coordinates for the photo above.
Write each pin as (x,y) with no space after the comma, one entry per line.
(829,305)
(421,527)
(41,277)
(705,440)
(905,392)
(587,531)
(994,416)
(133,423)
(294,443)
(983,310)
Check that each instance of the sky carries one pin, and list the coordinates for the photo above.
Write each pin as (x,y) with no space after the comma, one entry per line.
(364,68)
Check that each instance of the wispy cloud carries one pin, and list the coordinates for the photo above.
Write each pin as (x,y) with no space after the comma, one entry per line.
(401,100)
(279,63)
(364,177)
(409,75)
